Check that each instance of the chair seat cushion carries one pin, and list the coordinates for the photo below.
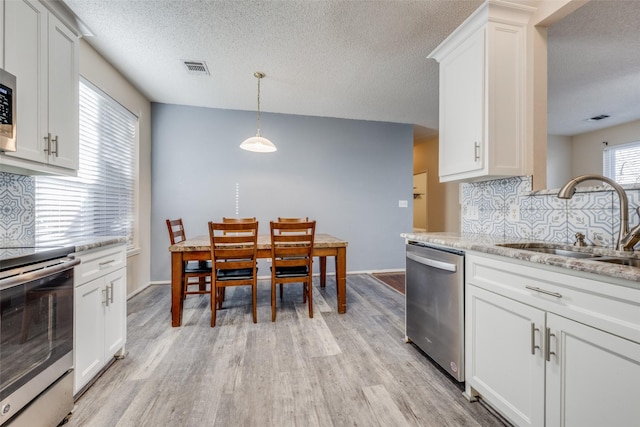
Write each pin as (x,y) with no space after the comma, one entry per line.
(297,271)
(198,267)
(235,274)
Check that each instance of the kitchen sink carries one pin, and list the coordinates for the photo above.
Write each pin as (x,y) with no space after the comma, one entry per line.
(633,262)
(550,249)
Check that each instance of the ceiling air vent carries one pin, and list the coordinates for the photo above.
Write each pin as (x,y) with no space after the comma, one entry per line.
(196,67)
(596,118)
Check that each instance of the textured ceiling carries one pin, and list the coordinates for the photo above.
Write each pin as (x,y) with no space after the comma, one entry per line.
(351,59)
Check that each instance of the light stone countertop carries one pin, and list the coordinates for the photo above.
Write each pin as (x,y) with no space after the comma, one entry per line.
(202,243)
(97,242)
(489,245)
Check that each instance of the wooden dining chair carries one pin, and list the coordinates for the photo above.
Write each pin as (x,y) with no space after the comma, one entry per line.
(292,219)
(234,250)
(200,270)
(228,220)
(291,259)
(292,230)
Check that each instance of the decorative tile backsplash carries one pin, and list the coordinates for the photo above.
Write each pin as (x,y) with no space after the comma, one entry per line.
(508,208)
(17,207)
(505,207)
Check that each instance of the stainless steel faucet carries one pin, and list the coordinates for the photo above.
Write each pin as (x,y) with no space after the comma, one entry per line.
(626,241)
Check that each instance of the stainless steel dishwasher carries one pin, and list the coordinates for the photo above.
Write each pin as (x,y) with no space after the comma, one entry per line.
(434,303)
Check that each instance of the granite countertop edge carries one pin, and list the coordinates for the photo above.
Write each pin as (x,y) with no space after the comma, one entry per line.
(489,244)
(83,245)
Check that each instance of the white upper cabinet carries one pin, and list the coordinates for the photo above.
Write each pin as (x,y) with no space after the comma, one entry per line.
(483,87)
(42,53)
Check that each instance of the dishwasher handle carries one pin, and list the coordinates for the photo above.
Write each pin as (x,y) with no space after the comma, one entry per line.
(432,262)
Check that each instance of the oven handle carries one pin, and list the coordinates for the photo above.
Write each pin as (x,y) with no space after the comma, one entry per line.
(432,262)
(20,279)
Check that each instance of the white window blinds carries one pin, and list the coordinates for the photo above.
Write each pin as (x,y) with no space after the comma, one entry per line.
(622,163)
(99,201)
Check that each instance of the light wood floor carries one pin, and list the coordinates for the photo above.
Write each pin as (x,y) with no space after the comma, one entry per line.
(333,370)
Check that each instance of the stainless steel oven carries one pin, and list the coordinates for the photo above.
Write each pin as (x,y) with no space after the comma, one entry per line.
(36,336)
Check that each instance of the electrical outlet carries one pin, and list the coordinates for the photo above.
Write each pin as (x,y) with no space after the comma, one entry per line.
(514,213)
(471,212)
(403,204)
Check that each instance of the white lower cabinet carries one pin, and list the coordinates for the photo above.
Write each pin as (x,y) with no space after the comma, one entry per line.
(100,313)
(592,377)
(549,349)
(503,369)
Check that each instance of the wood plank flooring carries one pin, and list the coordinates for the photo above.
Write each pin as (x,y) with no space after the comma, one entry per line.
(350,369)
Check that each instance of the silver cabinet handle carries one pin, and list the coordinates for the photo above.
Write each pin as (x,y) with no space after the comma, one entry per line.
(111,297)
(432,262)
(533,338)
(543,291)
(50,140)
(547,349)
(47,140)
(105,292)
(55,144)
(106,263)
(476,151)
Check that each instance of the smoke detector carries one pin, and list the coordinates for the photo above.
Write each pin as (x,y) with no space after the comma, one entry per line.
(196,67)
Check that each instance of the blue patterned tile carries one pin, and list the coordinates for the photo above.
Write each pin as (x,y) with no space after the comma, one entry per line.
(592,200)
(17,207)
(595,224)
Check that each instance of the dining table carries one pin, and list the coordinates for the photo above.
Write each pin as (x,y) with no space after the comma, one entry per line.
(199,249)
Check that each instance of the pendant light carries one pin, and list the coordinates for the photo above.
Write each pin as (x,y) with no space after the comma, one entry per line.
(258,143)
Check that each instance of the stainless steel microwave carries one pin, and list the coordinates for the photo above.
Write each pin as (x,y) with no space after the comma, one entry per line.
(7,111)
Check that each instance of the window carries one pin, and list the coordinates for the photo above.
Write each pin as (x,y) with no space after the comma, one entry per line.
(99,201)
(622,163)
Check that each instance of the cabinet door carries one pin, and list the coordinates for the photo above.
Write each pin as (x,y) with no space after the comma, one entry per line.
(115,313)
(89,332)
(504,361)
(592,378)
(26,58)
(462,76)
(63,95)
(2,34)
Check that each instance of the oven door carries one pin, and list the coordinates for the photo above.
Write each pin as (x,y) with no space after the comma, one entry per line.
(36,333)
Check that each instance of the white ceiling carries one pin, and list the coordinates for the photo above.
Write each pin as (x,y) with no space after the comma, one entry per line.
(352,59)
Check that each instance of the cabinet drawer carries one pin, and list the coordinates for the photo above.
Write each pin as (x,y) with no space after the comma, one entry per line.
(98,262)
(592,301)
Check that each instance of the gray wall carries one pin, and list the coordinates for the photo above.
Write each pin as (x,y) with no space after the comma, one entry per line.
(348,175)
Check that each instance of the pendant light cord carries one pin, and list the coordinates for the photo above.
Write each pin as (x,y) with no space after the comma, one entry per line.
(259,76)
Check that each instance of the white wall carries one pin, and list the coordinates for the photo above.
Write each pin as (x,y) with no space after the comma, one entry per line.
(443,204)
(587,147)
(102,74)
(559,160)
(348,175)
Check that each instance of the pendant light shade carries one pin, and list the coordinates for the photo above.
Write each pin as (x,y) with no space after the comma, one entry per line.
(258,143)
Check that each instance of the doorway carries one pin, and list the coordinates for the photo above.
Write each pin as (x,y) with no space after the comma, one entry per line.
(420,201)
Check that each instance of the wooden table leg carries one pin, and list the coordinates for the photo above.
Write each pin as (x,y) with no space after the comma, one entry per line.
(341,279)
(176,288)
(323,271)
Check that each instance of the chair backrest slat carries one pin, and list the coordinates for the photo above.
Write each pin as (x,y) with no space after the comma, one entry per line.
(291,240)
(176,231)
(237,249)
